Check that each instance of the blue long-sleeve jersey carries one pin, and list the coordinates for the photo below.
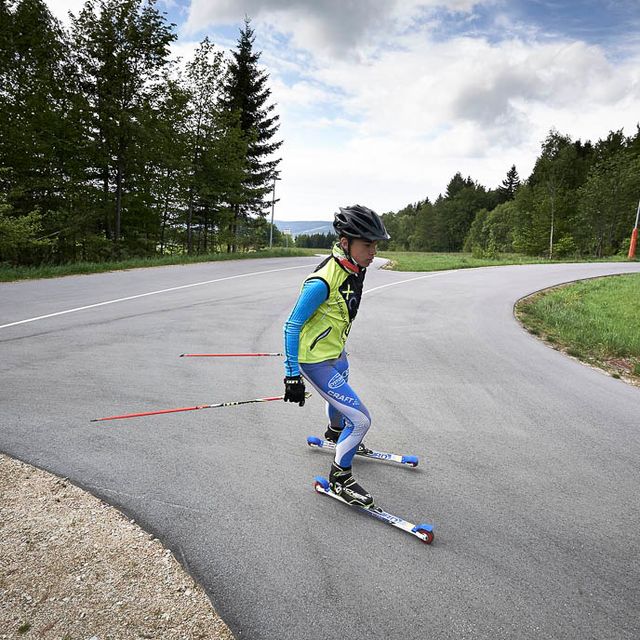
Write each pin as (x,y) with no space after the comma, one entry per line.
(313,294)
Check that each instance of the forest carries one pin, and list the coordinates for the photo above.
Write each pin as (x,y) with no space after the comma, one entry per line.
(580,200)
(110,149)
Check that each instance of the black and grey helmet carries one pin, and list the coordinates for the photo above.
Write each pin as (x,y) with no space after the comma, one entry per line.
(360,222)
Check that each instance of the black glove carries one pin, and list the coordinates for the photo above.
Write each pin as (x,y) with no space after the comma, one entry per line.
(294,390)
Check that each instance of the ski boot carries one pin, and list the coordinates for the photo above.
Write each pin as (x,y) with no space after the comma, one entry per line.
(333,435)
(343,484)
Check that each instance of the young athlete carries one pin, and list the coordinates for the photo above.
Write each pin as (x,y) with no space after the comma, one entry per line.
(315,335)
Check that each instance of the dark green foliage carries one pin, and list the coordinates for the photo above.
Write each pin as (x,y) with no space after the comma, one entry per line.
(247,97)
(21,236)
(37,130)
(579,200)
(443,225)
(607,201)
(491,232)
(401,227)
(216,153)
(109,150)
(457,214)
(507,190)
(122,47)
(561,169)
(316,240)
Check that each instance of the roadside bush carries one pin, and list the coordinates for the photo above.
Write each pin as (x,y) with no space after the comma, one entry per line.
(565,247)
(624,247)
(19,237)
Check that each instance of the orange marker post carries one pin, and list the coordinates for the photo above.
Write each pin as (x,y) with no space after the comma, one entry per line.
(634,236)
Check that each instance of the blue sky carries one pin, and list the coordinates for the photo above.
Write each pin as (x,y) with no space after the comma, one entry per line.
(382,101)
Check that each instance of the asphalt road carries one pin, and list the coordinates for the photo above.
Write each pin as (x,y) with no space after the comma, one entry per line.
(529,460)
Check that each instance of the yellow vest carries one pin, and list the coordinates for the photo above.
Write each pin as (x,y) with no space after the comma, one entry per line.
(324,334)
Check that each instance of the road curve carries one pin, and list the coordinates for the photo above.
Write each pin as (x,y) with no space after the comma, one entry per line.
(529,465)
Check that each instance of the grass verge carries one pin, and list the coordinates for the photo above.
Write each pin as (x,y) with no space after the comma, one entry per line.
(420,261)
(594,320)
(399,261)
(9,273)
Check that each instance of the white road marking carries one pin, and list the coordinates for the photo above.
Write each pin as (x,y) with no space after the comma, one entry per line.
(149,293)
(392,284)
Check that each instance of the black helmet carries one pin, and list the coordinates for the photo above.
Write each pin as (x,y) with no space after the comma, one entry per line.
(360,222)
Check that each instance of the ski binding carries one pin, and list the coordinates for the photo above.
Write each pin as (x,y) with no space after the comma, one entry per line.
(410,461)
(422,531)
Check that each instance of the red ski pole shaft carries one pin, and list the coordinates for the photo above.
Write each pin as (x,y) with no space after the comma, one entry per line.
(227,355)
(149,413)
(196,408)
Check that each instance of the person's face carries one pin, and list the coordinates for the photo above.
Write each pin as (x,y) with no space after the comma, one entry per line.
(362,251)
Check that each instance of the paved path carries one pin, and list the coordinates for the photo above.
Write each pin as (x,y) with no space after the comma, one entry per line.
(529,460)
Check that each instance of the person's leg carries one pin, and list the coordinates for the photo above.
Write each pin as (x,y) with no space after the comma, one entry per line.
(332,386)
(337,419)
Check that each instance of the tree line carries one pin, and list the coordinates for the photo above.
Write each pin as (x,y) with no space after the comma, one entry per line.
(580,200)
(316,240)
(109,148)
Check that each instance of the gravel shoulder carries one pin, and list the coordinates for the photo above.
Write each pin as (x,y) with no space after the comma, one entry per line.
(73,567)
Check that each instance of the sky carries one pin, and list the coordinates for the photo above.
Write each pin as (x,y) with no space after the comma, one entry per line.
(381,102)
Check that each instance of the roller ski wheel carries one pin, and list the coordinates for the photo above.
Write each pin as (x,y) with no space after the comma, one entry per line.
(326,445)
(321,484)
(423,532)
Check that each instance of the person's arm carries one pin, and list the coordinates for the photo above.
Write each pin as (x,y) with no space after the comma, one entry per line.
(313,294)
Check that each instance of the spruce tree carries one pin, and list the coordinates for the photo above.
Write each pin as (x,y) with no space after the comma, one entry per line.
(122,48)
(38,134)
(507,190)
(457,184)
(247,95)
(216,150)
(34,78)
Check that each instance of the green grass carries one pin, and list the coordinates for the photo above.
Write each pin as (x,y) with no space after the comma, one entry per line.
(595,320)
(420,261)
(400,261)
(9,273)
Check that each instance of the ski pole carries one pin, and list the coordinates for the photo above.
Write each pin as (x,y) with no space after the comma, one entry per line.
(227,355)
(196,408)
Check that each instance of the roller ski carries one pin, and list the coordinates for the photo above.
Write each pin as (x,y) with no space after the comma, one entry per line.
(342,487)
(328,445)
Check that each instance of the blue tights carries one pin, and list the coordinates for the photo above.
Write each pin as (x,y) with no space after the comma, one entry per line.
(330,378)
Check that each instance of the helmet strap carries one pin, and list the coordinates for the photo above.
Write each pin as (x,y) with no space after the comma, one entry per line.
(349,263)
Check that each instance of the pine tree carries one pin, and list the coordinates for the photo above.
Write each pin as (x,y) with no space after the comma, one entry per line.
(507,190)
(247,95)
(216,149)
(166,161)
(457,184)
(39,137)
(123,47)
(33,75)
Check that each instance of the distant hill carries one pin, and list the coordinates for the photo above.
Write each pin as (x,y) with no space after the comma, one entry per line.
(307,227)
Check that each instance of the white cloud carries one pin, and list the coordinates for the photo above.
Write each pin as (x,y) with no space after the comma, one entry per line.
(421,113)
(61,8)
(329,26)
(429,84)
(379,104)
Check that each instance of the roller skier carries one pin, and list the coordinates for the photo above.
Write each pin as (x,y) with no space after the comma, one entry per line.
(315,335)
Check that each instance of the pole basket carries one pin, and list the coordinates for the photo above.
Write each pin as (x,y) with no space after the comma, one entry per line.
(633,244)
